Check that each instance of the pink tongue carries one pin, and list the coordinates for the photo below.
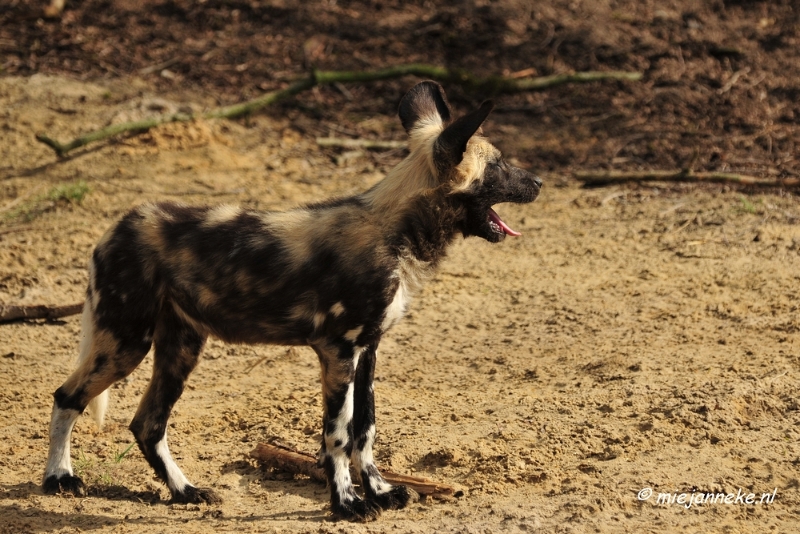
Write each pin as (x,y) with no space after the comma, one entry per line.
(495,218)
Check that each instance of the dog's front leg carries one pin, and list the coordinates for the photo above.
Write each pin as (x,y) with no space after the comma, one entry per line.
(377,491)
(339,361)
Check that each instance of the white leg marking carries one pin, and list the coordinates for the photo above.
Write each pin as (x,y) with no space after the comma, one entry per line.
(341,422)
(362,459)
(176,480)
(58,460)
(341,463)
(341,476)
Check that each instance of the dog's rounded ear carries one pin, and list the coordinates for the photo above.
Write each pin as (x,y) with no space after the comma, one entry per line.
(426,99)
(448,151)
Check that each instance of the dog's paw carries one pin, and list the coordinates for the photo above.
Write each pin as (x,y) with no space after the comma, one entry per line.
(193,495)
(64,484)
(356,509)
(395,499)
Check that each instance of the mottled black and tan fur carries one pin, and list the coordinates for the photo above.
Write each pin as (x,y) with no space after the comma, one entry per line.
(334,275)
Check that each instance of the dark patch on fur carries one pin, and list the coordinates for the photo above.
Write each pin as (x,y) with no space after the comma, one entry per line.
(448,151)
(75,401)
(100,361)
(64,484)
(128,299)
(432,224)
(363,396)
(193,495)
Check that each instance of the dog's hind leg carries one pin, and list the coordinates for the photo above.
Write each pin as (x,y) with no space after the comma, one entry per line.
(338,361)
(105,358)
(376,489)
(177,349)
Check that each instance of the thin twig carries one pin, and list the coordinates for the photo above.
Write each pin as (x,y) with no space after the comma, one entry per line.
(14,313)
(14,229)
(21,198)
(486,86)
(732,80)
(360,143)
(160,66)
(607,177)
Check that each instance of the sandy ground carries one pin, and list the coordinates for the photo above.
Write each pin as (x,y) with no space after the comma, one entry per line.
(633,338)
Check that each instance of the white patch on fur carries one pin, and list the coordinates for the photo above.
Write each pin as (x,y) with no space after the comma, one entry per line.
(337,309)
(341,463)
(176,480)
(345,415)
(397,308)
(341,422)
(319,319)
(379,485)
(61,424)
(362,459)
(412,274)
(352,335)
(221,214)
(341,475)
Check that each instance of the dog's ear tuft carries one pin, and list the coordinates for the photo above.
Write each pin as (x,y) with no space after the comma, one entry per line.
(426,99)
(452,142)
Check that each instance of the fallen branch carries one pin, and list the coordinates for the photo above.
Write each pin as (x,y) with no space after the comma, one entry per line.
(13,313)
(605,177)
(360,143)
(486,86)
(110,131)
(296,462)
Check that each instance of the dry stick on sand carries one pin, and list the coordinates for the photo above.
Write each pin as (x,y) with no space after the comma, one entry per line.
(488,86)
(296,462)
(13,313)
(360,143)
(604,177)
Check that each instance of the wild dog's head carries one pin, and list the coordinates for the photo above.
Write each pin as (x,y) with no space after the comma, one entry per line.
(461,158)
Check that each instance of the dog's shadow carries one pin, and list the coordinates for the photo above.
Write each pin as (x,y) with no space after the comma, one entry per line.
(20,516)
(275,483)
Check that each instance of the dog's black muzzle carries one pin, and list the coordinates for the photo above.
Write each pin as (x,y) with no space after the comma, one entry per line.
(521,187)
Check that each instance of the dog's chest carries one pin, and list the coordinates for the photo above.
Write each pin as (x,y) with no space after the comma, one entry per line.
(411,274)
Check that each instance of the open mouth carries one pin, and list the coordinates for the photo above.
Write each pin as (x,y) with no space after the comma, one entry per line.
(498,226)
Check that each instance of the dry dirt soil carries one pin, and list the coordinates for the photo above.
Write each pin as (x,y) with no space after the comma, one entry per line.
(636,336)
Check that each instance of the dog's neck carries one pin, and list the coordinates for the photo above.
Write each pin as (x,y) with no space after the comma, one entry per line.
(410,177)
(428,223)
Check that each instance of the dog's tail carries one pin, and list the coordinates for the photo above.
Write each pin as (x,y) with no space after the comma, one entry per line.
(97,408)
(98,405)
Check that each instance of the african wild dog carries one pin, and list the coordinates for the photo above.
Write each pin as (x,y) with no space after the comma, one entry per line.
(335,275)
